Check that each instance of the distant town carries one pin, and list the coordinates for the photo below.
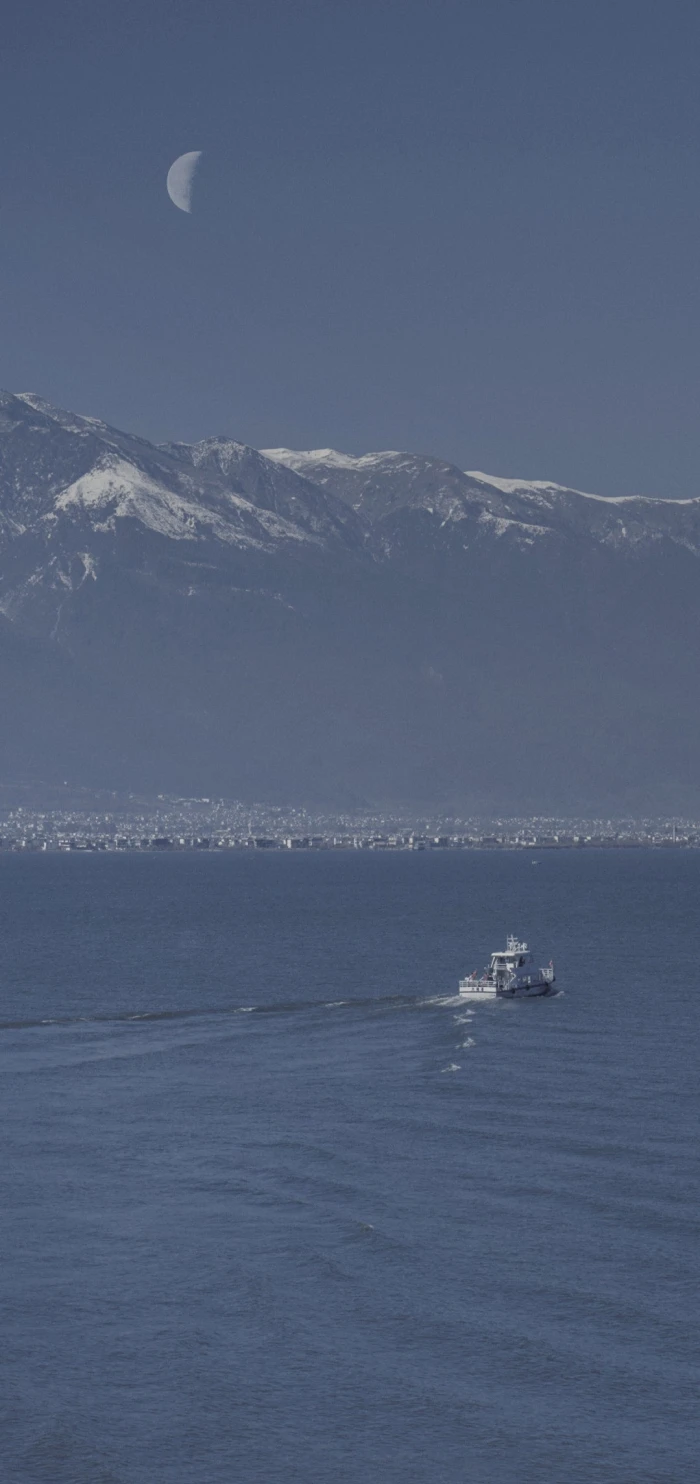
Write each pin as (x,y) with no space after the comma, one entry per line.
(110,823)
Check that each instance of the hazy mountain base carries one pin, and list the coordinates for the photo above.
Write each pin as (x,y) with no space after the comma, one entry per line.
(330,657)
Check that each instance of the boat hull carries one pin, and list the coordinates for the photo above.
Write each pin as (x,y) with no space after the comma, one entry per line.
(522,992)
(529,991)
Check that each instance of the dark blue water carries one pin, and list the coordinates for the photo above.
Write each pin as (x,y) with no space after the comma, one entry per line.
(249,1233)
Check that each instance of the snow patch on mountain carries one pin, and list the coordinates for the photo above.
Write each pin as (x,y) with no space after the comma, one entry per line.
(89,566)
(526,530)
(117,490)
(302,460)
(537,487)
(524,486)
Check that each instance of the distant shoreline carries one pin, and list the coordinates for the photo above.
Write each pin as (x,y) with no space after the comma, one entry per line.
(109,847)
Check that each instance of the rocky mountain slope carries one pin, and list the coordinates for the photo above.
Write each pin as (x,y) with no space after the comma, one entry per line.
(210,618)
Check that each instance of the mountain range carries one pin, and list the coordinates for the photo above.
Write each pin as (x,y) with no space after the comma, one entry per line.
(207,618)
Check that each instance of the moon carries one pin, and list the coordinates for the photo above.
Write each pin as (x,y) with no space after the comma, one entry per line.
(181,177)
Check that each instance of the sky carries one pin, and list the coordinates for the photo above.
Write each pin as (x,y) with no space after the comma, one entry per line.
(469,229)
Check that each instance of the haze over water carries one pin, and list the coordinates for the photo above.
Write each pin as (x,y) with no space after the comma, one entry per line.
(277,1207)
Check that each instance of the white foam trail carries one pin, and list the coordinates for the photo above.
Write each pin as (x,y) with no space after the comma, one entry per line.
(453,1067)
(464,1044)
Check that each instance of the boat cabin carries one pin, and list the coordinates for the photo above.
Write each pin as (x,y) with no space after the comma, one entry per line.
(516,956)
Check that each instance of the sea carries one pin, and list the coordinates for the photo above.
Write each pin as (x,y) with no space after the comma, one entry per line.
(278,1208)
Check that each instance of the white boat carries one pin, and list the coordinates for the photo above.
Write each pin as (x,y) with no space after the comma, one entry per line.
(511,974)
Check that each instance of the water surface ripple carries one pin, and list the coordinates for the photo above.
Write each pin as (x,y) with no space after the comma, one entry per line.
(276,1206)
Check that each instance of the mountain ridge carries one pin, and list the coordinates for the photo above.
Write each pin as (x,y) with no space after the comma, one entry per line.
(370,479)
(210,618)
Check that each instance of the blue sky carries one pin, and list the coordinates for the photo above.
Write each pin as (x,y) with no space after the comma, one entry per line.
(464,228)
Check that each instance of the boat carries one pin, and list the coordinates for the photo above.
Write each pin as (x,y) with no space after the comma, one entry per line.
(511,975)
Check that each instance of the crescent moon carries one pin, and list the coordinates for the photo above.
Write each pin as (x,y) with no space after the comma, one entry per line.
(181,178)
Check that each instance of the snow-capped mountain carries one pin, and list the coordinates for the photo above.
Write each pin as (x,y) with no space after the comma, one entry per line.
(56,463)
(207,617)
(74,491)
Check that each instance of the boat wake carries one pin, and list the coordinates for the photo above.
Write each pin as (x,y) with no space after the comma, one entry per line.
(381,1004)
